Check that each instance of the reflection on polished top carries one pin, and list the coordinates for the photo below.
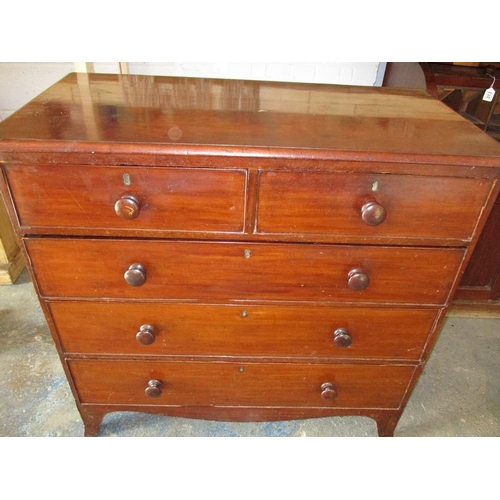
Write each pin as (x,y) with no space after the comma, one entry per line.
(86,109)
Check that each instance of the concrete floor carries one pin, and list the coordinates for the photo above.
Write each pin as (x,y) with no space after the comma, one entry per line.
(457,395)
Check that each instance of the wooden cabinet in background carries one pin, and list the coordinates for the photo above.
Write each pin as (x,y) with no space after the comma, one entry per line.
(11,257)
(462,88)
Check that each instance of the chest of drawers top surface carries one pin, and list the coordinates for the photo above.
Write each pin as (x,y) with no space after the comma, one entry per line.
(108,113)
(243,250)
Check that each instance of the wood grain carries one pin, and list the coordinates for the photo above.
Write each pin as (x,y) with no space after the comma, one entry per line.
(118,111)
(233,384)
(319,203)
(11,258)
(198,244)
(170,199)
(241,330)
(239,272)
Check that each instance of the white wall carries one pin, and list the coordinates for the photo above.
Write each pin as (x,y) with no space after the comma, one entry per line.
(341,73)
(21,82)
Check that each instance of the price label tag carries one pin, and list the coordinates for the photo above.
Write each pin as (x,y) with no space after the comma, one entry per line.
(489,94)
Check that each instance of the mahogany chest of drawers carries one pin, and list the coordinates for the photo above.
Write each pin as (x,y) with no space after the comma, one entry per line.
(242,250)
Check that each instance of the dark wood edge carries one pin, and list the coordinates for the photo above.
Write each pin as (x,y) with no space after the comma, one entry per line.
(251,201)
(95,152)
(9,203)
(123,234)
(386,419)
(450,167)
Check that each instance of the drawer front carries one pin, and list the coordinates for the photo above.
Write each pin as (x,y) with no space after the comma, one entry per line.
(232,384)
(339,204)
(228,271)
(158,198)
(241,330)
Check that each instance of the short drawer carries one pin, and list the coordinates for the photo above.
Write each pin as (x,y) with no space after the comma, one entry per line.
(232,384)
(358,205)
(241,330)
(128,198)
(233,271)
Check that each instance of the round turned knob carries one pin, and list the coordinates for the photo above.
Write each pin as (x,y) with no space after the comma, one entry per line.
(128,207)
(145,335)
(358,280)
(328,391)
(341,338)
(373,213)
(135,275)
(153,390)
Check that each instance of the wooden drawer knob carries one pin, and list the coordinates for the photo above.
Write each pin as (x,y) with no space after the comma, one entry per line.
(342,338)
(128,207)
(373,213)
(153,390)
(145,335)
(328,392)
(357,280)
(135,275)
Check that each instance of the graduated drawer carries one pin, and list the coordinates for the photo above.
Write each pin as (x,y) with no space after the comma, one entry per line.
(233,271)
(167,199)
(237,384)
(241,330)
(399,206)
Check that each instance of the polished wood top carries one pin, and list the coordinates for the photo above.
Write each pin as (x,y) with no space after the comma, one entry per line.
(110,113)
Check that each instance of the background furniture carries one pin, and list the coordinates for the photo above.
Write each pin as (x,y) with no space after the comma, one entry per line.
(462,88)
(11,257)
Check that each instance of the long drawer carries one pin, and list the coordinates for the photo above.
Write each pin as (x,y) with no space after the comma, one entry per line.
(178,199)
(241,330)
(233,271)
(232,384)
(359,205)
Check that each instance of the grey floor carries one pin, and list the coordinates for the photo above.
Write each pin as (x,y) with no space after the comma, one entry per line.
(457,395)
